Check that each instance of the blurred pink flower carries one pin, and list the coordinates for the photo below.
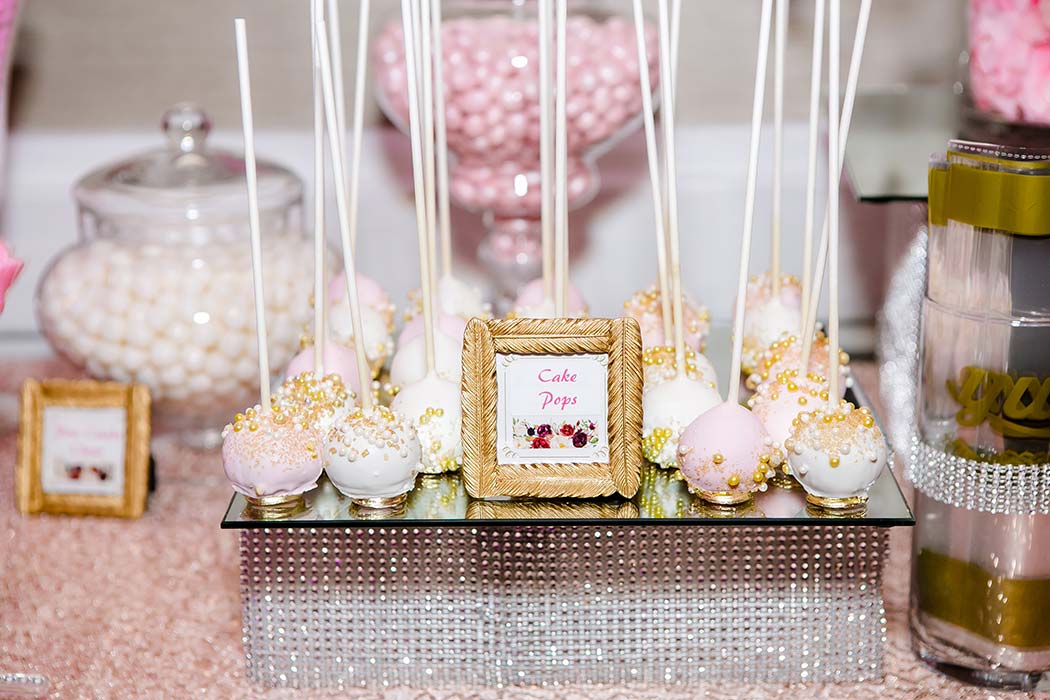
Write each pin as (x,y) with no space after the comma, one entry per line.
(9,269)
(1008,39)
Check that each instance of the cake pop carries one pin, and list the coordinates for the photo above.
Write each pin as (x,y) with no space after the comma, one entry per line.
(645,307)
(726,454)
(778,402)
(532,302)
(837,454)
(372,457)
(338,360)
(768,317)
(786,354)
(660,366)
(667,410)
(432,353)
(372,296)
(432,405)
(452,326)
(270,455)
(372,453)
(378,341)
(457,298)
(674,403)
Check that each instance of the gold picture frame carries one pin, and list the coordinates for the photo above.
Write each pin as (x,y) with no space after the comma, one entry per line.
(619,339)
(30,492)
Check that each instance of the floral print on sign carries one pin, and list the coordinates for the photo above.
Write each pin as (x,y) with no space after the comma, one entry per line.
(559,435)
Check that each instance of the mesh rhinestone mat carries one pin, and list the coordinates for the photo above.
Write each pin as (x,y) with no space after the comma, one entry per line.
(501,606)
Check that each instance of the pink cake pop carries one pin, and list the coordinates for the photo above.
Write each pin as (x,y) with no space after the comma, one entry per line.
(270,455)
(644,307)
(532,304)
(452,326)
(726,455)
(371,294)
(778,403)
(338,360)
(785,354)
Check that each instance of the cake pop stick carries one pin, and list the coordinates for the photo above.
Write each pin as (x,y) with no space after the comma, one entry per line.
(834,163)
(426,103)
(676,33)
(338,168)
(426,286)
(816,73)
(561,175)
(441,133)
(320,300)
(335,44)
(247,125)
(358,130)
(546,148)
(653,155)
(671,161)
(809,315)
(780,47)
(749,199)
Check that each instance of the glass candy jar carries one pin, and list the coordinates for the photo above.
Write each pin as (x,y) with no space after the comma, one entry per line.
(158,288)
(490,71)
(980,607)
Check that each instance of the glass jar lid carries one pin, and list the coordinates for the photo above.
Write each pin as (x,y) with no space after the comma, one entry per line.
(185,182)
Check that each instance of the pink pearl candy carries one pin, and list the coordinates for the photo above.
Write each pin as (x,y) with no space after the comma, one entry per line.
(492,100)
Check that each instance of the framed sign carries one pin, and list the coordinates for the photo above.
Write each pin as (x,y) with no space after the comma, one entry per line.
(552,407)
(83,448)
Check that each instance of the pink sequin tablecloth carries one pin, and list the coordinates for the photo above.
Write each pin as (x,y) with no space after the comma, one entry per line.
(151,608)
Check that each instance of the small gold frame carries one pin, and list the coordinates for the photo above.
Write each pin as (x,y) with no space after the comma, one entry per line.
(620,339)
(36,396)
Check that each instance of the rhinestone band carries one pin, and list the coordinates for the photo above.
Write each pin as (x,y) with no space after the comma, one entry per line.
(495,607)
(1007,489)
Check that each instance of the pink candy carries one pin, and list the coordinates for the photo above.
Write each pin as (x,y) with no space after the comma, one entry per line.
(1010,58)
(492,102)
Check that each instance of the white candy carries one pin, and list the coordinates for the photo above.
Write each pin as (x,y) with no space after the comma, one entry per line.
(177,319)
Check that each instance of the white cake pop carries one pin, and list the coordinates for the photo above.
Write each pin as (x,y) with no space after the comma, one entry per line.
(667,410)
(532,302)
(338,360)
(785,353)
(457,298)
(373,457)
(432,405)
(378,341)
(645,307)
(837,454)
(659,366)
(270,455)
(369,293)
(452,326)
(409,364)
(726,455)
(767,318)
(779,402)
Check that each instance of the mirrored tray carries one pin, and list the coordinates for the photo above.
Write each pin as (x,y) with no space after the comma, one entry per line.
(662,499)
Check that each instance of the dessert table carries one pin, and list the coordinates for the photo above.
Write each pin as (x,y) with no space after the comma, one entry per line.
(151,608)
